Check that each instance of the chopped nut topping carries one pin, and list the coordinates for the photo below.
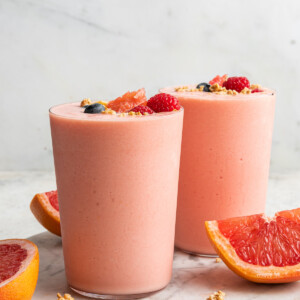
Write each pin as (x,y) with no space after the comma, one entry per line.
(109,111)
(65,297)
(182,89)
(86,101)
(216,88)
(132,113)
(102,102)
(123,114)
(218,259)
(231,92)
(246,91)
(255,86)
(219,295)
(187,89)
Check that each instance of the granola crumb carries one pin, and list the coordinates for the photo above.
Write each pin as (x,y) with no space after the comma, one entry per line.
(65,297)
(218,260)
(86,101)
(231,92)
(123,114)
(132,113)
(246,91)
(109,111)
(216,88)
(219,295)
(187,89)
(102,102)
(255,86)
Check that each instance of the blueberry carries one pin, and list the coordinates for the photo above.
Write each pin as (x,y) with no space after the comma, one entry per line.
(206,86)
(95,108)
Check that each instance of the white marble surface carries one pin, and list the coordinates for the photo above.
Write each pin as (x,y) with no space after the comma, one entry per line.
(193,277)
(55,51)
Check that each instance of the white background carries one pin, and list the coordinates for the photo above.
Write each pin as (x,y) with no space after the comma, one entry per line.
(55,51)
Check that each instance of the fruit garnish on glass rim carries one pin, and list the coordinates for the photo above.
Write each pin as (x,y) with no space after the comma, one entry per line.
(163,103)
(259,248)
(219,80)
(143,109)
(236,83)
(128,101)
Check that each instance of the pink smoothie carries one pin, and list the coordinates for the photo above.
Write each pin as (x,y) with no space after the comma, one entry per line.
(117,180)
(224,161)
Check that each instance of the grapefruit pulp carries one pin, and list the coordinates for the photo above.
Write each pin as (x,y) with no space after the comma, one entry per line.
(45,208)
(19,267)
(219,79)
(259,248)
(128,101)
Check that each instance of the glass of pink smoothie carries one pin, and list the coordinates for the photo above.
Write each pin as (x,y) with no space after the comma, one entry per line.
(225,159)
(117,181)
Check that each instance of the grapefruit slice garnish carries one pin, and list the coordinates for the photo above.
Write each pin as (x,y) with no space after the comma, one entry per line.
(44,206)
(19,268)
(219,79)
(259,248)
(128,101)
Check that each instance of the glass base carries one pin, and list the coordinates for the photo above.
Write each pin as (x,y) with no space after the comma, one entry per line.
(114,297)
(198,254)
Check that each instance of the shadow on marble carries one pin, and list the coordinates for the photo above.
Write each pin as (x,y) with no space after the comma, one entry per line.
(193,278)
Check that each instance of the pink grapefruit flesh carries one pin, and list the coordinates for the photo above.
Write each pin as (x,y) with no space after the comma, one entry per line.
(260,248)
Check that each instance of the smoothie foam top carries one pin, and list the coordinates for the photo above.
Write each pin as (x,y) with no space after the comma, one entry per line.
(75,111)
(173,90)
(129,106)
(221,88)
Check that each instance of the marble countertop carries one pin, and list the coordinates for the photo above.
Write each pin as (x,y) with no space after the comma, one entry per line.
(193,277)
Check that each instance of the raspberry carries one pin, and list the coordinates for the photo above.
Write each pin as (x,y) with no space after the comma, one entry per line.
(163,102)
(236,83)
(257,91)
(219,79)
(143,109)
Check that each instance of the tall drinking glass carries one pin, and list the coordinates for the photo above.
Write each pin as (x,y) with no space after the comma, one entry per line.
(117,181)
(225,161)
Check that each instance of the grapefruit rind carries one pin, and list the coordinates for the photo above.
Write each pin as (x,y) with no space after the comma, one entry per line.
(45,213)
(255,273)
(21,285)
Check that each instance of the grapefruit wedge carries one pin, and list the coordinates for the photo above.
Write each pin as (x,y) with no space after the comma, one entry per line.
(259,248)
(19,268)
(44,206)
